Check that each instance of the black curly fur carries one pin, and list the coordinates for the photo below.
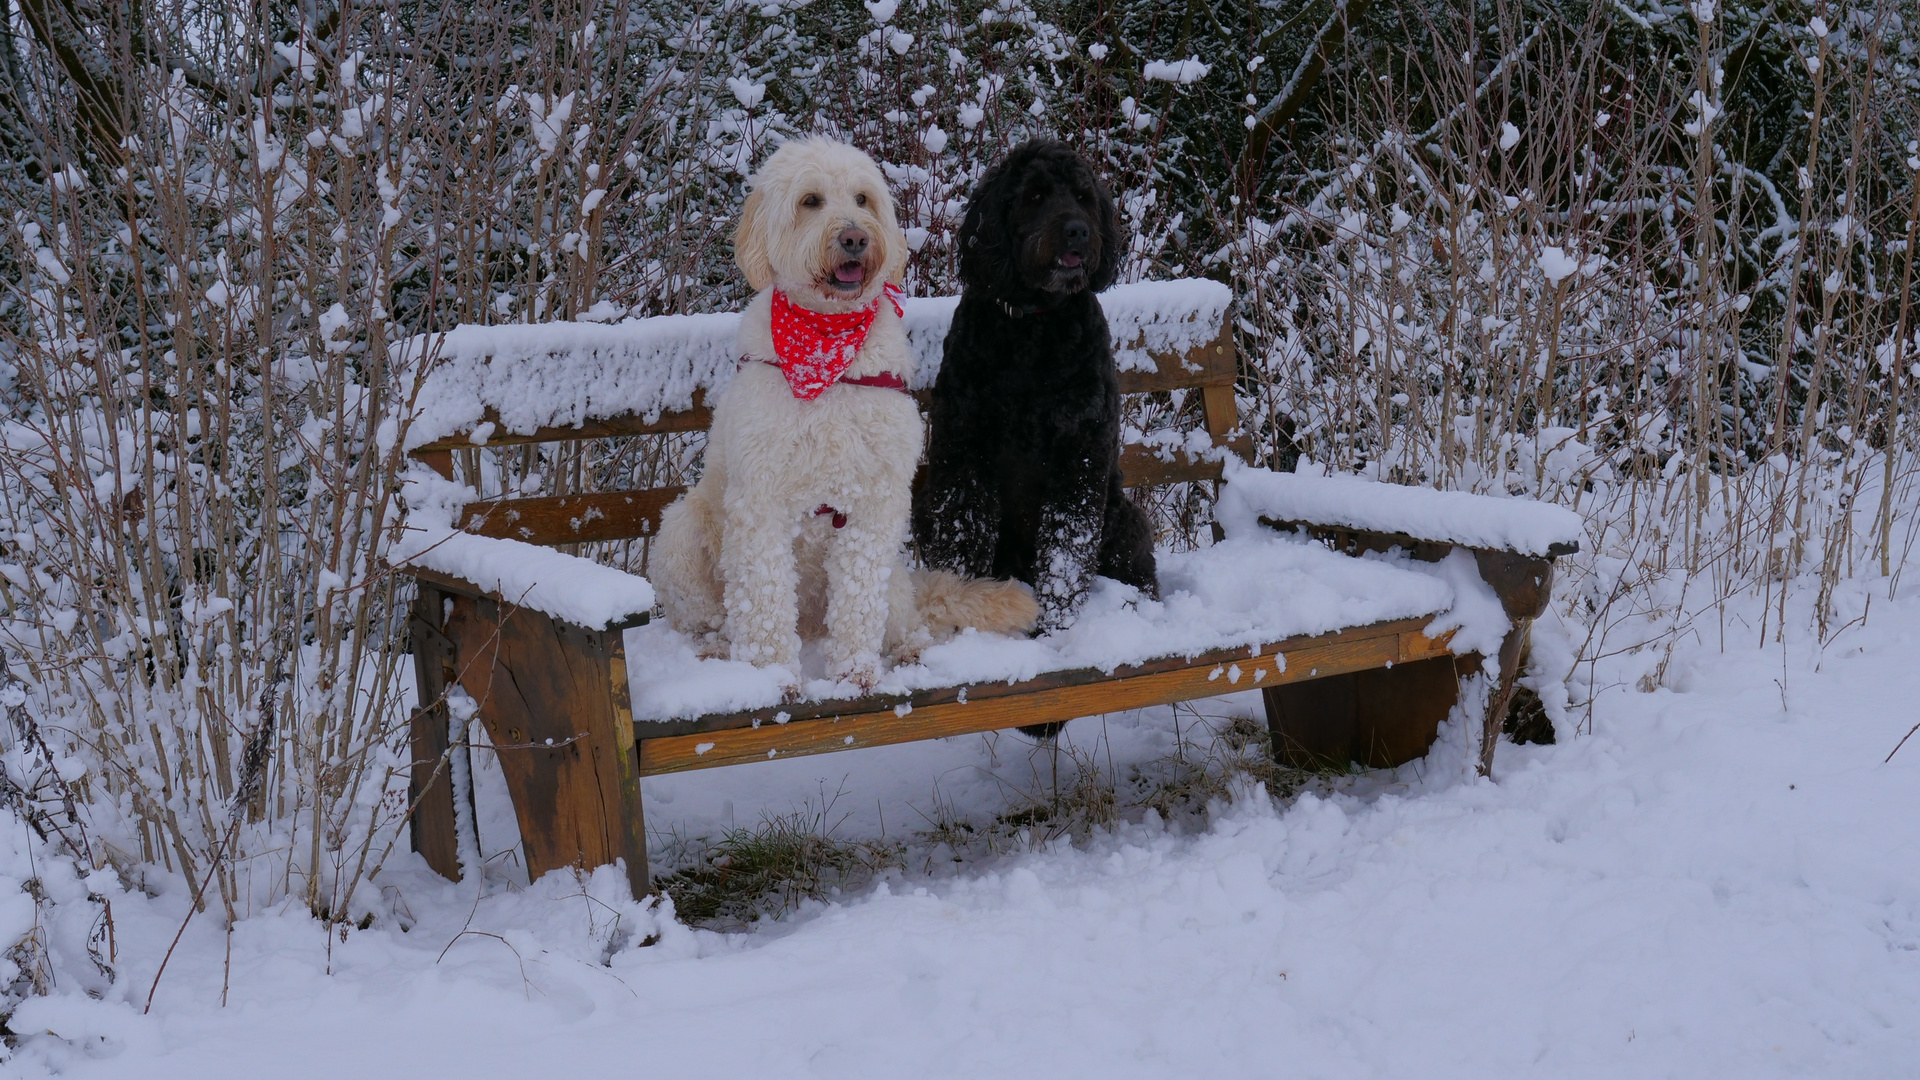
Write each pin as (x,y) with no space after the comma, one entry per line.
(1023,450)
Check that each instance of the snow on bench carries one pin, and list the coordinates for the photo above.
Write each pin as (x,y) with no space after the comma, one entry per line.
(562,374)
(1253,588)
(1456,517)
(580,591)
(567,587)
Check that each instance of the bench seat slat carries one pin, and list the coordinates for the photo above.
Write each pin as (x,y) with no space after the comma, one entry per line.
(829,727)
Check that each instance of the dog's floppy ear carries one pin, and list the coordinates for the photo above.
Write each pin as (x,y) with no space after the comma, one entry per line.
(1113,239)
(984,261)
(750,241)
(895,269)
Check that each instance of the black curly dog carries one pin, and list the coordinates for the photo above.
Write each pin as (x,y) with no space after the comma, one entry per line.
(1023,448)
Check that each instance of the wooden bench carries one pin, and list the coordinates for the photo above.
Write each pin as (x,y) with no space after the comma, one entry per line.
(553,693)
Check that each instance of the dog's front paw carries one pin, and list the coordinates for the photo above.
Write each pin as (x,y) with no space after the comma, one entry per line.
(771,651)
(862,671)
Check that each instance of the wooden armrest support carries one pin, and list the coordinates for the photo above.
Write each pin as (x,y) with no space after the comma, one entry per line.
(1522,582)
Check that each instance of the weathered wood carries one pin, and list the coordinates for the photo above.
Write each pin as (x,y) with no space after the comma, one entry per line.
(1500,695)
(1379,717)
(1025,704)
(1522,582)
(1211,364)
(625,763)
(440,461)
(545,694)
(1356,541)
(430,779)
(1143,467)
(571,519)
(1400,709)
(698,418)
(1414,643)
(1312,723)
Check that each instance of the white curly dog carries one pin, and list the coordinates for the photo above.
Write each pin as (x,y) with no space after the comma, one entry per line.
(799,521)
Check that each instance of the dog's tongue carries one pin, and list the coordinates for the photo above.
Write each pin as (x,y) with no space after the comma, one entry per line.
(850,272)
(1070,259)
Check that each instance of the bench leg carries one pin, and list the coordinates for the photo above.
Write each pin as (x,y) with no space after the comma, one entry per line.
(546,691)
(430,781)
(1379,718)
(1512,648)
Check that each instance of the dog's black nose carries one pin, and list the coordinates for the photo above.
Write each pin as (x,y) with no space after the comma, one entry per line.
(853,242)
(1077,234)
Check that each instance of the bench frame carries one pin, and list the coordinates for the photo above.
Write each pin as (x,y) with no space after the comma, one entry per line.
(555,701)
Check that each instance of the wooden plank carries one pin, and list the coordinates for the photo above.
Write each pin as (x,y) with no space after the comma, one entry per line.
(1380,717)
(544,691)
(1400,710)
(1211,364)
(440,461)
(1022,705)
(571,519)
(1143,467)
(698,418)
(625,761)
(1500,695)
(430,778)
(1413,644)
(1349,541)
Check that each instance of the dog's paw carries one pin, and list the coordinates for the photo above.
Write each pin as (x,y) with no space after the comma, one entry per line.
(862,671)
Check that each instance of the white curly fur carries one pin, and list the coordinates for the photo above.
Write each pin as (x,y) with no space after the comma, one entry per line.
(742,559)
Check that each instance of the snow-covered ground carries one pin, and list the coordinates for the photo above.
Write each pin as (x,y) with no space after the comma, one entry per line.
(1719,879)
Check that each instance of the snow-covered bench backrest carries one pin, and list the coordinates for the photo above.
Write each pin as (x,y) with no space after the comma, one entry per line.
(526,378)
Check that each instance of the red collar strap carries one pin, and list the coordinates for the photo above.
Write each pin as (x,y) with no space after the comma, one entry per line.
(886,380)
(815,349)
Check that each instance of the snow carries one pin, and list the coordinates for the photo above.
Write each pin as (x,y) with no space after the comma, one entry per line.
(1708,881)
(1482,521)
(561,374)
(567,587)
(1557,265)
(1252,589)
(1144,318)
(1176,71)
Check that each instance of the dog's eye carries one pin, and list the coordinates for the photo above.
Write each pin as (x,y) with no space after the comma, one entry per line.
(860,199)
(811,202)
(1084,196)
(1036,196)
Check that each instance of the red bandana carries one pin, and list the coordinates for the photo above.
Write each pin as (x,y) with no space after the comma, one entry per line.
(816,349)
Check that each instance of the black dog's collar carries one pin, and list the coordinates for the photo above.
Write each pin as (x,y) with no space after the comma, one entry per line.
(1021,311)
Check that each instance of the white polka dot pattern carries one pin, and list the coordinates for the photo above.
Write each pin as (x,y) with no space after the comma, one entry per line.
(815,349)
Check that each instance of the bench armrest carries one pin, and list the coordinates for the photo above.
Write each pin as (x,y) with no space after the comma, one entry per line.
(566,587)
(1519,526)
